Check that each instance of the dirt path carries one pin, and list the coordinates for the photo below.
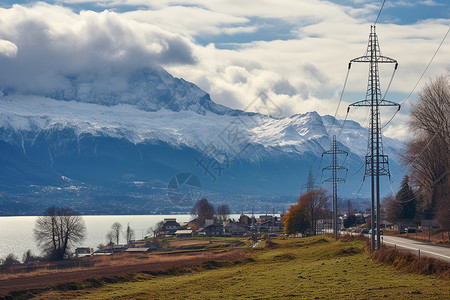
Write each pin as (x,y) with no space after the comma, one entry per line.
(46,280)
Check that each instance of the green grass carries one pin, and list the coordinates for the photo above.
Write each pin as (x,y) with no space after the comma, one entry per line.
(310,268)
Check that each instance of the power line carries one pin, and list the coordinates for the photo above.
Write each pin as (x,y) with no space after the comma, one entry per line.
(342,92)
(420,191)
(345,83)
(409,95)
(346,78)
(377,163)
(335,179)
(420,78)
(429,63)
(360,188)
(423,149)
(379,13)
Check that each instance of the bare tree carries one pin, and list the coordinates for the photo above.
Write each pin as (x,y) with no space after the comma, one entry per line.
(203,210)
(110,238)
(116,228)
(428,154)
(443,207)
(57,230)
(129,233)
(393,209)
(316,204)
(431,114)
(223,211)
(10,260)
(28,257)
(157,231)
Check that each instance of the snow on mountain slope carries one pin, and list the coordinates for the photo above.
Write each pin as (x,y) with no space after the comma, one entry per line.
(297,134)
(355,138)
(147,126)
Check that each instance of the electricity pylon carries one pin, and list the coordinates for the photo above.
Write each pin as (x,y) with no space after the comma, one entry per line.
(335,179)
(310,183)
(377,163)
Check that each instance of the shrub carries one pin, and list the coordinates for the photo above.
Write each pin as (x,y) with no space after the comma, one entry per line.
(11,260)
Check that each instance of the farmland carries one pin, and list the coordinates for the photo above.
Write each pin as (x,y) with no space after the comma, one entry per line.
(312,268)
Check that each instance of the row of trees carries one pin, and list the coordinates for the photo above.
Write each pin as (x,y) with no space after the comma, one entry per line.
(60,228)
(427,159)
(203,210)
(113,236)
(302,217)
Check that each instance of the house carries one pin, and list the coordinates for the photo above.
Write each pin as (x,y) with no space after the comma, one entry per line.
(118,248)
(264,218)
(83,252)
(141,249)
(102,252)
(182,233)
(214,230)
(269,226)
(234,228)
(208,222)
(269,223)
(170,226)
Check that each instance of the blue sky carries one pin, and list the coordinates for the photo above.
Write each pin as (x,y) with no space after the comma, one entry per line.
(296,51)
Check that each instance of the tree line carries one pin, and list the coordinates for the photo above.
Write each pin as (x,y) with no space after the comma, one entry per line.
(425,191)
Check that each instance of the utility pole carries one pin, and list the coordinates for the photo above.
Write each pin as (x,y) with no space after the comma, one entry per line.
(377,163)
(349,207)
(334,168)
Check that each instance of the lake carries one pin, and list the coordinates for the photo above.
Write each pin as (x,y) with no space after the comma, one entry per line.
(16,233)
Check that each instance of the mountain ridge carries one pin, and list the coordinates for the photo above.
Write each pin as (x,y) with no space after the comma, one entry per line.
(168,126)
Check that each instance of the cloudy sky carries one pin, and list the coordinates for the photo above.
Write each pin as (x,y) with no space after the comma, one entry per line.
(296,51)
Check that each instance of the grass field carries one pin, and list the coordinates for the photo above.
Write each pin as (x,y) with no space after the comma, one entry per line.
(310,268)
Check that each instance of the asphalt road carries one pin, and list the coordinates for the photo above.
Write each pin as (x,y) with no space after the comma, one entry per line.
(435,251)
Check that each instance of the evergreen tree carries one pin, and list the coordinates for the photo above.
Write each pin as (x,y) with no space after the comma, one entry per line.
(406,200)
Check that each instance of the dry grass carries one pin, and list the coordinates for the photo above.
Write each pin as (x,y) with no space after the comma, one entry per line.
(306,268)
(116,260)
(412,263)
(123,259)
(198,244)
(118,269)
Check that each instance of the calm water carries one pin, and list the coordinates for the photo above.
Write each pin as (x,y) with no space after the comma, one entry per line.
(16,233)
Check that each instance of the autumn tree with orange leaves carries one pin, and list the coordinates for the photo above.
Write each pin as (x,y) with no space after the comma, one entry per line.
(304,215)
(296,220)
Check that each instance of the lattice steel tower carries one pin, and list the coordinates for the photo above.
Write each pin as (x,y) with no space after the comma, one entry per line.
(377,163)
(310,183)
(335,179)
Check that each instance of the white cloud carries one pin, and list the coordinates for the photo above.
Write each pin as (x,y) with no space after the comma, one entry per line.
(199,22)
(8,49)
(405,3)
(54,43)
(302,69)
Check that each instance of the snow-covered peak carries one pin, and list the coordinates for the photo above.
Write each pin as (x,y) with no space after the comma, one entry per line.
(149,89)
(296,134)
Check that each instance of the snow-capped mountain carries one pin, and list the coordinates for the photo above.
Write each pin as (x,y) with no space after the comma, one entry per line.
(155,126)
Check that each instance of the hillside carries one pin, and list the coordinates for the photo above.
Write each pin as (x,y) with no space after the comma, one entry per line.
(315,267)
(129,143)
